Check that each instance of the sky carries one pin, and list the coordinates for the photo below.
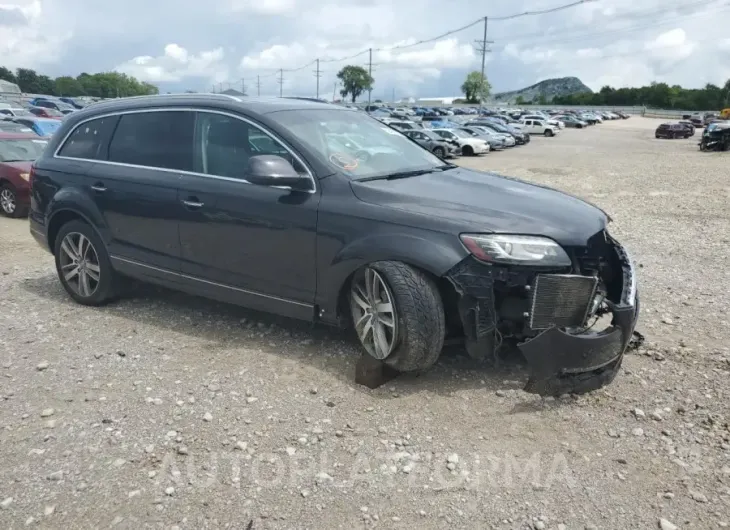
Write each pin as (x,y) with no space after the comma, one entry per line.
(204,46)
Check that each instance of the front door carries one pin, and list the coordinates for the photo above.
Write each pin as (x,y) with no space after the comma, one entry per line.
(258,242)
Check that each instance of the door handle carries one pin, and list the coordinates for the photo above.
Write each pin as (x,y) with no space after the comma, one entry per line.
(192,203)
(98,187)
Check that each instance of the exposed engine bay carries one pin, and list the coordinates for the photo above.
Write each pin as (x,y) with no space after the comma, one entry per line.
(553,315)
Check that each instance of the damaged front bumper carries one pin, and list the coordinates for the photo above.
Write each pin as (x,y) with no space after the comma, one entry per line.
(561,359)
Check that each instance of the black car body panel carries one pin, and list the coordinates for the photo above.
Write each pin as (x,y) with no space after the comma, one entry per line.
(292,251)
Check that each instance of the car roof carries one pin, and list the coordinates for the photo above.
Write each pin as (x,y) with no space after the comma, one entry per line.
(256,105)
(18,136)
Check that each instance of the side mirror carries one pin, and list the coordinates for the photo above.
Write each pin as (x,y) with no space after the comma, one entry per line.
(273,170)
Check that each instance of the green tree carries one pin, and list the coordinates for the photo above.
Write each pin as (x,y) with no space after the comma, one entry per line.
(68,86)
(355,80)
(476,87)
(7,74)
(541,100)
(519,100)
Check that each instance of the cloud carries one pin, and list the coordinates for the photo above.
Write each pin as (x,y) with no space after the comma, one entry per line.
(176,64)
(622,42)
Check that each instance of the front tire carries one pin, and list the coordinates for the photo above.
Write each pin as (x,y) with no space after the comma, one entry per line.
(467,150)
(439,152)
(83,265)
(9,202)
(398,315)
(548,133)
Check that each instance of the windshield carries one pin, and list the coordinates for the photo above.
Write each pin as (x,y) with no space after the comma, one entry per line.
(22,112)
(48,127)
(354,143)
(20,149)
(461,134)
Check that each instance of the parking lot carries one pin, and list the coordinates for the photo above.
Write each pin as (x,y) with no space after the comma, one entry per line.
(164,410)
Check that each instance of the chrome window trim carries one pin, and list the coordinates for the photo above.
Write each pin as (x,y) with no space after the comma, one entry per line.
(216,284)
(179,171)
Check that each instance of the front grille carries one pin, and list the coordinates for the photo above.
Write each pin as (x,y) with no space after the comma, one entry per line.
(561,300)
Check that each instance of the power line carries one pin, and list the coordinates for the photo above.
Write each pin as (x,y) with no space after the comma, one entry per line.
(370,50)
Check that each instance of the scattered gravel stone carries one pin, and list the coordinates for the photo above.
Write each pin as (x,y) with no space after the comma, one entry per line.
(666,525)
(637,431)
(207,416)
(6,502)
(42,366)
(698,496)
(45,413)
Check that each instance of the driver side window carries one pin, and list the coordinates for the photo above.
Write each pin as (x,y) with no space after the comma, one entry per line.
(224,144)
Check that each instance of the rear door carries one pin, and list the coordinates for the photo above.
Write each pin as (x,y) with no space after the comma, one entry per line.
(135,187)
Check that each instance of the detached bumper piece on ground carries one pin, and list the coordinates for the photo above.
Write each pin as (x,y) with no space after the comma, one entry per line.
(548,315)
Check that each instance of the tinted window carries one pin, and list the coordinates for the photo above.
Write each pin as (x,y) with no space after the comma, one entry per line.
(154,139)
(224,144)
(89,140)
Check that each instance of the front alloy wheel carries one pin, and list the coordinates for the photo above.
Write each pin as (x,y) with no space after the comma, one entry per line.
(8,201)
(374,313)
(79,264)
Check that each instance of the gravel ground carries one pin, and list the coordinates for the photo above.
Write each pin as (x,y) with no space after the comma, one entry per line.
(168,411)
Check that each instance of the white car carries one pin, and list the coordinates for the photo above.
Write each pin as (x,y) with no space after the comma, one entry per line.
(549,121)
(507,139)
(468,144)
(539,127)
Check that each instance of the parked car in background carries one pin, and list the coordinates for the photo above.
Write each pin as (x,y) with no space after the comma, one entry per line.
(539,127)
(43,112)
(10,126)
(433,142)
(469,145)
(495,143)
(550,121)
(508,139)
(401,124)
(41,126)
(688,125)
(672,130)
(48,103)
(571,121)
(17,153)
(11,112)
(590,118)
(520,137)
(697,120)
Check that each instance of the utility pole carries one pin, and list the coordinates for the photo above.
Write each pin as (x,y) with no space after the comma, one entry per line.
(258,85)
(317,74)
(483,48)
(393,95)
(370,72)
(243,86)
(281,82)
(334,91)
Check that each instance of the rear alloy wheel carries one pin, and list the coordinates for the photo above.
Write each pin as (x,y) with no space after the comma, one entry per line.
(83,264)
(9,202)
(439,152)
(398,315)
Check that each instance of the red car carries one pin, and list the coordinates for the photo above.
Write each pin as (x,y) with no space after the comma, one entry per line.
(17,153)
(43,112)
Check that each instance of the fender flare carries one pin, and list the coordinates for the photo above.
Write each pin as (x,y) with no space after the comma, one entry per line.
(435,254)
(75,201)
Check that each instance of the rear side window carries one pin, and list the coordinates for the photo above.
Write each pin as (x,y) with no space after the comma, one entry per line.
(155,139)
(90,139)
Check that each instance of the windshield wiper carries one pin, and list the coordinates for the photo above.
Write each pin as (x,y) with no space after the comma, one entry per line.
(408,174)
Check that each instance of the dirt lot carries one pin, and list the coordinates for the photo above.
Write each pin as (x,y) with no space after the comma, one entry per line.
(167,411)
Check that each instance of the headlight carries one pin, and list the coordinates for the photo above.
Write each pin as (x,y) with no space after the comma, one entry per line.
(516,250)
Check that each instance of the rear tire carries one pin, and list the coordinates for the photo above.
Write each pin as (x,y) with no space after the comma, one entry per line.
(414,335)
(83,265)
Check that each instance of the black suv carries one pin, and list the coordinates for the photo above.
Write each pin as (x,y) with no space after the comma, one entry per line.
(320,213)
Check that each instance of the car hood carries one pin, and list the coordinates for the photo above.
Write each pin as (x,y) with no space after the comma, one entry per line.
(474,201)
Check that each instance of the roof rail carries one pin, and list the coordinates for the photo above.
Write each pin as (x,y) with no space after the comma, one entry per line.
(152,96)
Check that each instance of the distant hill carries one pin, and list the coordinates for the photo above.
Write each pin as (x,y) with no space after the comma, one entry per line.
(549,88)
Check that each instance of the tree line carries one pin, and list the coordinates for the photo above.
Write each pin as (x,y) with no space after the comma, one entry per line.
(100,85)
(655,95)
